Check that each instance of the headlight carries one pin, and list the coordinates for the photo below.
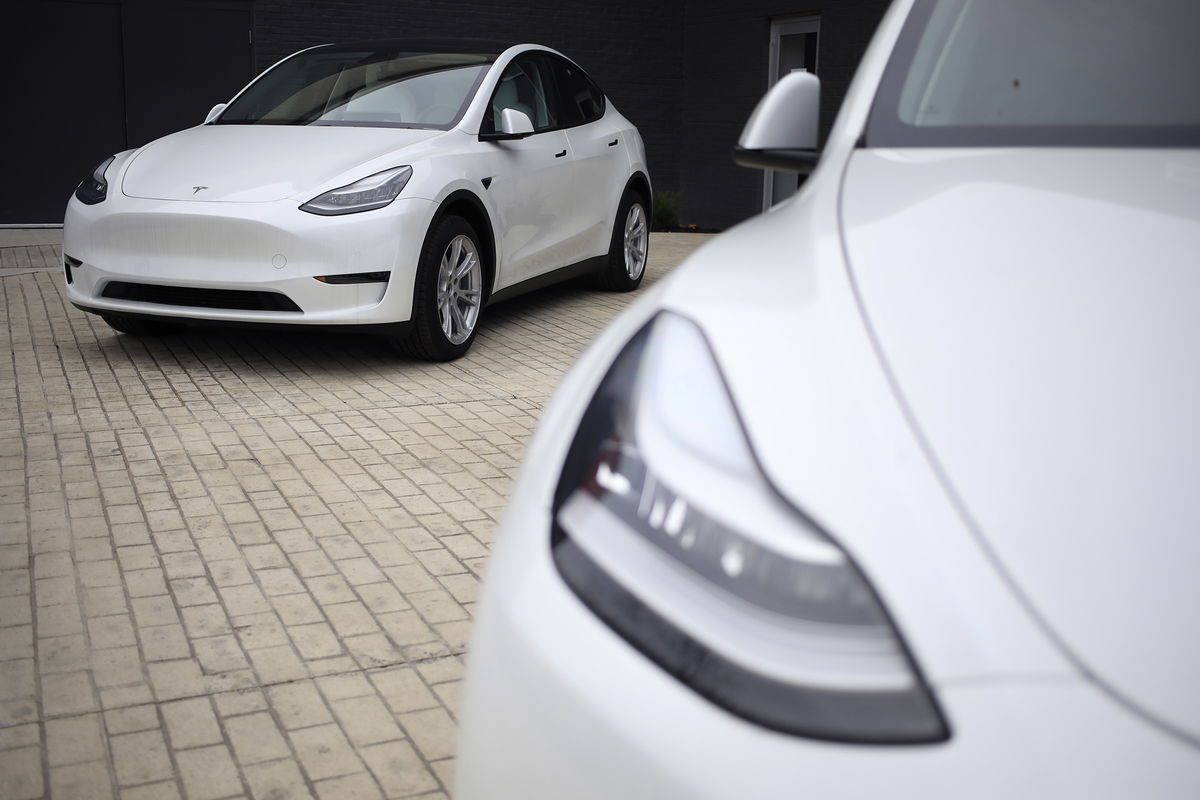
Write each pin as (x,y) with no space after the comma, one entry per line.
(666,528)
(94,187)
(375,191)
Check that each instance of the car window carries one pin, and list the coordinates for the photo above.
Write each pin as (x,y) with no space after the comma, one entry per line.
(432,99)
(579,98)
(1027,72)
(524,86)
(362,87)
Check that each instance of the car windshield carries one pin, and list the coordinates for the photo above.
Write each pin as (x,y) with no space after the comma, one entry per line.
(1028,72)
(364,87)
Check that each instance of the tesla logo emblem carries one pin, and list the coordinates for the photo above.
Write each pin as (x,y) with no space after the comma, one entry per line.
(196,189)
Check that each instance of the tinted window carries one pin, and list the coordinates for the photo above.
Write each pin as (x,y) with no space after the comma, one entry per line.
(362,87)
(1003,72)
(579,97)
(524,86)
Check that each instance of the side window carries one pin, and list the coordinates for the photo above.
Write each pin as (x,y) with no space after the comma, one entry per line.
(524,86)
(579,98)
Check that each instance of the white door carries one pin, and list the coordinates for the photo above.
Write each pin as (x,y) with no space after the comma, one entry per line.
(602,167)
(599,145)
(532,191)
(531,185)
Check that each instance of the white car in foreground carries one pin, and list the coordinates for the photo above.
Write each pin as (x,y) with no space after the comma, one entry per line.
(891,491)
(397,187)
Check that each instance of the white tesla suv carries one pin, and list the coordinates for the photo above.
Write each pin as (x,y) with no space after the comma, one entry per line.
(397,187)
(891,491)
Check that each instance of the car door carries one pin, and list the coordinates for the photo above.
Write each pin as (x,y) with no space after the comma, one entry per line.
(530,183)
(601,164)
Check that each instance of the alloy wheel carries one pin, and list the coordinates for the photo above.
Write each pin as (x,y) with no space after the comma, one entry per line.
(460,289)
(636,239)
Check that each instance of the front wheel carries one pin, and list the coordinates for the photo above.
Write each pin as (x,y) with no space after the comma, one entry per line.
(629,248)
(449,293)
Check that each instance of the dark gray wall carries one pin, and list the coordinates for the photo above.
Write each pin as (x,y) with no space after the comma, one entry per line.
(687,72)
(725,67)
(87,78)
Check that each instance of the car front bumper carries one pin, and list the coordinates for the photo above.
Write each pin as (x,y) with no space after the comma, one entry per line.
(557,705)
(246,247)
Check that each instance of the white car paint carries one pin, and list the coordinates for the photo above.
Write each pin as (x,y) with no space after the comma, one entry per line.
(528,191)
(218,207)
(260,163)
(976,370)
(1049,421)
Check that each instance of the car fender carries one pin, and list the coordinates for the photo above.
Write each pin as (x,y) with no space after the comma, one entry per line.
(460,197)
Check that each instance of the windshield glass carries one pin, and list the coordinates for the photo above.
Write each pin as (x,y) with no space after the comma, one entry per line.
(1029,72)
(362,87)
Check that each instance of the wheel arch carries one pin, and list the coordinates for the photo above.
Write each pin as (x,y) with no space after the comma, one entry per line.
(640,183)
(467,205)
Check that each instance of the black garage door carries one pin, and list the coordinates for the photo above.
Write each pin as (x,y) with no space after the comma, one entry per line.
(89,79)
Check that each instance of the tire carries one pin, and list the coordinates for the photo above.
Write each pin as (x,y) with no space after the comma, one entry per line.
(449,293)
(136,326)
(630,246)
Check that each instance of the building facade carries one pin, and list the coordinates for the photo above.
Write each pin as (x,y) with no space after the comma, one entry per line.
(98,76)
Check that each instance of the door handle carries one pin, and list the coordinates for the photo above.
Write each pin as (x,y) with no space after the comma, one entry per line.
(613,143)
(560,155)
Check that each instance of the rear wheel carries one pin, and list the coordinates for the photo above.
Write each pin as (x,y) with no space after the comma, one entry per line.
(139,326)
(629,248)
(448,298)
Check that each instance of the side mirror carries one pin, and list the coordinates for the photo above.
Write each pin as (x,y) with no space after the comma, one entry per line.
(213,112)
(515,123)
(782,132)
(512,124)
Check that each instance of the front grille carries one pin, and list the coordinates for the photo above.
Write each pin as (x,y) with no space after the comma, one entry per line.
(235,299)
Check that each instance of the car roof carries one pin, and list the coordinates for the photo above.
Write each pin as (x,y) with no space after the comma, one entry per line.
(464,46)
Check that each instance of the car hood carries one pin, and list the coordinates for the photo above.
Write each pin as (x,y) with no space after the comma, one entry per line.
(256,163)
(1039,313)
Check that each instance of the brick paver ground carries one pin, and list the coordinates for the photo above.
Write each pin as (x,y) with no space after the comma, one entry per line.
(244,565)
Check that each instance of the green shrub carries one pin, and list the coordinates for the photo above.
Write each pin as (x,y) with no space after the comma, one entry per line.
(665,216)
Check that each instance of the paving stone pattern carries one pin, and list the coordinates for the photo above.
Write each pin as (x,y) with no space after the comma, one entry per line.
(241,564)
(24,257)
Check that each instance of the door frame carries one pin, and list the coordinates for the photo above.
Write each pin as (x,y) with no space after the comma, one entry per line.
(780,27)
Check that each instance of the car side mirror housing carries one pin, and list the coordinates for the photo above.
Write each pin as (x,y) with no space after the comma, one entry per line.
(513,124)
(782,132)
(213,112)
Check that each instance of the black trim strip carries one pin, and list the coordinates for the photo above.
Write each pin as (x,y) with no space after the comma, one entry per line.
(802,161)
(199,297)
(69,265)
(356,277)
(397,330)
(587,267)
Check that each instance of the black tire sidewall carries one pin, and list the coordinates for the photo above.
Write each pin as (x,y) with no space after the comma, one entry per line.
(428,340)
(614,276)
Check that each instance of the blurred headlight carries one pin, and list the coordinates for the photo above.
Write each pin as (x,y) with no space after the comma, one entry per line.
(374,191)
(666,528)
(94,188)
